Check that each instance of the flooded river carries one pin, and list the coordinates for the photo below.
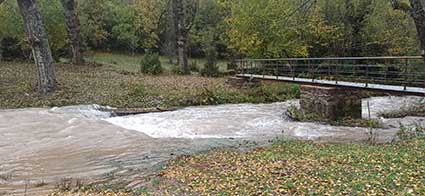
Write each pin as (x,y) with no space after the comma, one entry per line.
(41,146)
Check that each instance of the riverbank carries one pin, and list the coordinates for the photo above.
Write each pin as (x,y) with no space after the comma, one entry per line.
(117,87)
(288,168)
(299,168)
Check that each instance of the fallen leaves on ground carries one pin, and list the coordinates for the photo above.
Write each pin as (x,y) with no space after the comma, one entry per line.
(110,86)
(306,169)
(88,193)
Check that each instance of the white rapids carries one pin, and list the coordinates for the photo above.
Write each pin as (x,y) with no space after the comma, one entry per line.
(249,120)
(223,121)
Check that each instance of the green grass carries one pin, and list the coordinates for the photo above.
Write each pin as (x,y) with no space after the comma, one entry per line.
(124,62)
(131,63)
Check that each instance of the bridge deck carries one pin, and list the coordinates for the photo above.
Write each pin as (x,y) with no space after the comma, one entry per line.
(402,75)
(369,86)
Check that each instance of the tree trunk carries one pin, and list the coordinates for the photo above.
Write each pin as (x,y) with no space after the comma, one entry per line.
(39,43)
(73,28)
(182,52)
(181,35)
(418,14)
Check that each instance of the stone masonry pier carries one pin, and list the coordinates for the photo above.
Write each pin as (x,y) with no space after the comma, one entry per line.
(331,103)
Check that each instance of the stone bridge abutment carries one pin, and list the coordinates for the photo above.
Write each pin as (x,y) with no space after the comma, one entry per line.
(331,103)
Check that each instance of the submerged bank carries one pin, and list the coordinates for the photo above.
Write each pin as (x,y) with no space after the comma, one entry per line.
(47,145)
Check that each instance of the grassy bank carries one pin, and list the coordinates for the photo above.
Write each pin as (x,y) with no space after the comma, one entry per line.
(119,86)
(297,168)
(308,169)
(131,62)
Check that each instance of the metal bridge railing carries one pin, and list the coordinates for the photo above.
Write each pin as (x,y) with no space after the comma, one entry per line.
(407,71)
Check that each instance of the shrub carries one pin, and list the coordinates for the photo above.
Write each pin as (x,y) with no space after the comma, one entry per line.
(266,93)
(176,69)
(232,66)
(297,114)
(210,68)
(151,64)
(10,49)
(193,66)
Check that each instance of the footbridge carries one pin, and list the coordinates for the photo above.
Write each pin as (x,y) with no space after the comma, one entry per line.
(329,85)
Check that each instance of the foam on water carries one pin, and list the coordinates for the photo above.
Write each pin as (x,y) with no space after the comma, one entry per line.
(87,111)
(243,120)
(222,121)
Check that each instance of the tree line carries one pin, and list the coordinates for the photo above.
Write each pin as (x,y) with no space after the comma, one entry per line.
(48,29)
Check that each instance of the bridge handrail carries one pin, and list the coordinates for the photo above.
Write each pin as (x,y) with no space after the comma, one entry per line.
(396,70)
(335,58)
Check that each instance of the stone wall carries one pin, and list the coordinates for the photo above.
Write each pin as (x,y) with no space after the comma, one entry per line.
(331,103)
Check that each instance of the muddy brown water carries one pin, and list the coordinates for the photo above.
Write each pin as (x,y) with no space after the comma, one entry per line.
(40,146)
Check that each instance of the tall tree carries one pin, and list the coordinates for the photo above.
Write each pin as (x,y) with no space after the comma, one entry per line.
(37,38)
(418,14)
(416,10)
(356,17)
(184,14)
(152,16)
(73,28)
(268,28)
(181,35)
